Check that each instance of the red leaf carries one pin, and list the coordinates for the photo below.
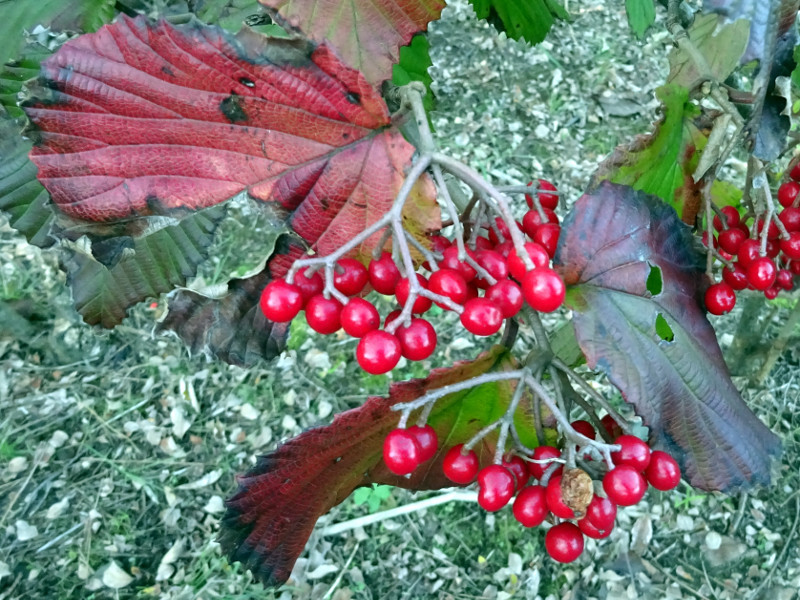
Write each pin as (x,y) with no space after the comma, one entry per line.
(146,119)
(367,33)
(271,516)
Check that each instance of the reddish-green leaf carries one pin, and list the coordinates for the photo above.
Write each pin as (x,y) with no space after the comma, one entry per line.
(271,516)
(610,242)
(367,34)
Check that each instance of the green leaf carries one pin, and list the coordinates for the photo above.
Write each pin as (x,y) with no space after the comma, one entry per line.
(721,49)
(15,73)
(641,15)
(529,20)
(662,163)
(669,368)
(361,495)
(565,345)
(228,14)
(107,279)
(278,502)
(22,197)
(415,60)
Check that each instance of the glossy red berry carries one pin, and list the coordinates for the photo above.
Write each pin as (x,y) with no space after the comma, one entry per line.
(761,273)
(601,513)
(584,428)
(788,192)
(785,280)
(546,200)
(791,247)
(507,296)
(772,292)
(611,426)
(494,264)
(403,290)
(359,316)
(495,487)
(482,243)
(624,485)
(309,285)
(450,284)
(518,468)
(352,279)
(748,252)
(450,261)
(323,314)
(795,172)
(543,289)
(663,472)
(539,258)
(384,274)
(732,216)
(546,236)
(543,453)
(378,352)
(530,506)
(589,530)
(731,239)
(790,217)
(481,317)
(736,277)
(501,228)
(634,452)
(555,500)
(564,542)
(720,298)
(401,453)
(460,468)
(427,441)
(532,220)
(418,340)
(281,301)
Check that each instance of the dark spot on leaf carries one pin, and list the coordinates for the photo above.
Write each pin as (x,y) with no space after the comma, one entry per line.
(359,205)
(663,329)
(345,136)
(167,71)
(325,203)
(353,98)
(654,282)
(231,107)
(247,82)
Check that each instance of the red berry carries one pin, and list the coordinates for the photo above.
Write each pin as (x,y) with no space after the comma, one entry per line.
(403,289)
(791,247)
(352,279)
(482,243)
(589,530)
(495,487)
(555,500)
(543,289)
(481,317)
(634,452)
(663,472)
(790,217)
(449,283)
(748,252)
(384,274)
(761,273)
(720,298)
(504,249)
(401,453)
(624,485)
(772,292)
(731,239)
(309,286)
(564,542)
(601,513)
(438,245)
(546,236)
(611,426)
(378,352)
(450,261)
(530,507)
(418,340)
(543,453)
(323,314)
(795,172)
(794,267)
(494,264)
(460,468)
(732,218)
(584,428)
(539,257)
(359,316)
(500,225)
(507,296)
(519,469)
(736,277)
(546,200)
(532,220)
(788,192)
(785,280)
(281,301)
(427,441)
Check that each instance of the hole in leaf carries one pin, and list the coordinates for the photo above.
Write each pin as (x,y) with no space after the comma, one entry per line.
(654,283)
(663,329)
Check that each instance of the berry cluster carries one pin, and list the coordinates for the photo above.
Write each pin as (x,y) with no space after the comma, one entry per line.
(543,488)
(486,285)
(740,245)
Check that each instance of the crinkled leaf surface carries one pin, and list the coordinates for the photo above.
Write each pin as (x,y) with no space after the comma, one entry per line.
(530,20)
(142,121)
(367,34)
(228,14)
(768,19)
(15,73)
(721,48)
(680,388)
(272,514)
(662,163)
(641,15)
